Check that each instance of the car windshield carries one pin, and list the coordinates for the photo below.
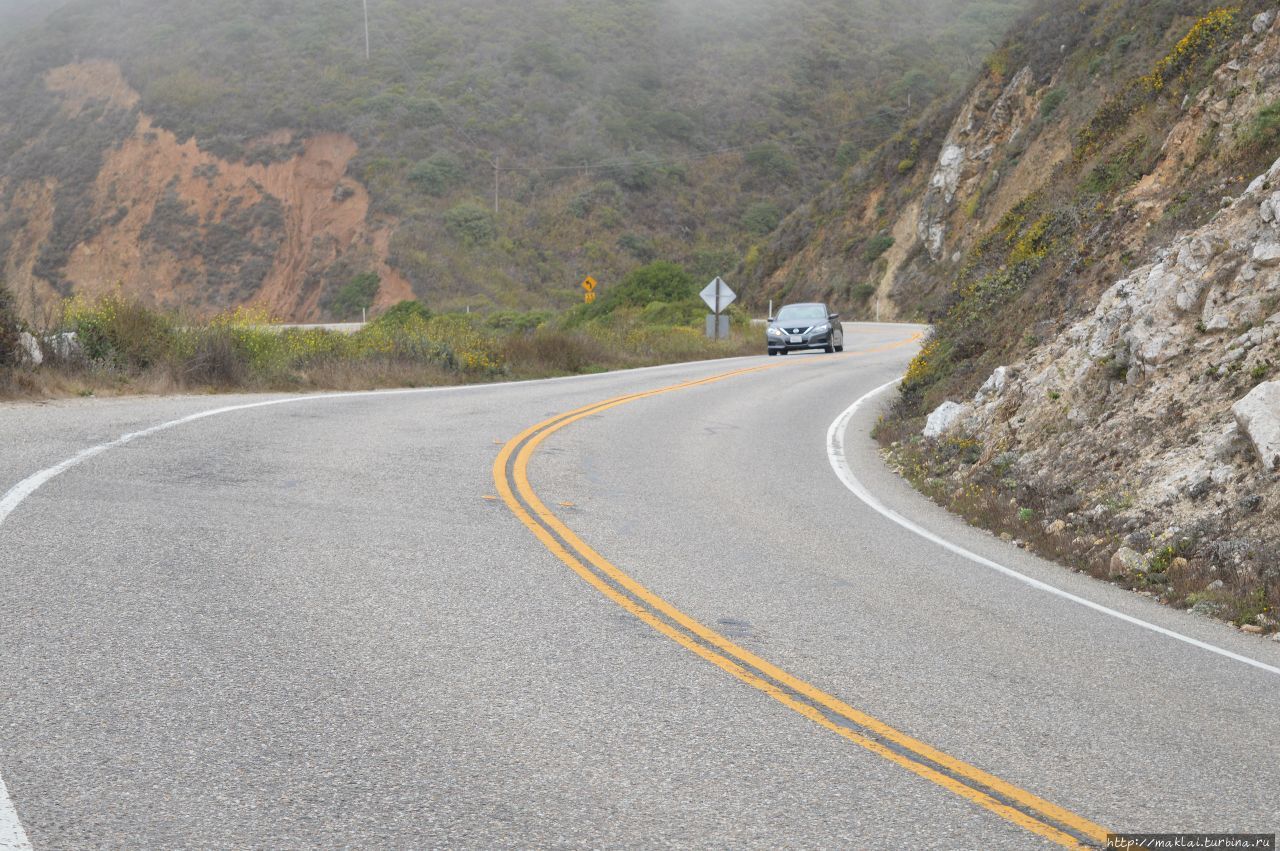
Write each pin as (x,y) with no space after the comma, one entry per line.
(801,313)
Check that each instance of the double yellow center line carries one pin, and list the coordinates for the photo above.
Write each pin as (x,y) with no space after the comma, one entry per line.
(511,477)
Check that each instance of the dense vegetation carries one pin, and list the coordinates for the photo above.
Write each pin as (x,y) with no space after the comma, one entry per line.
(17,15)
(123,345)
(616,131)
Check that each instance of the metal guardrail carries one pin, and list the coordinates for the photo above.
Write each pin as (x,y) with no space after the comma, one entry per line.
(337,327)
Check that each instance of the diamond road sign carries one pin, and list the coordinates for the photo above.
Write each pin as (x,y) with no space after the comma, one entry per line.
(726,295)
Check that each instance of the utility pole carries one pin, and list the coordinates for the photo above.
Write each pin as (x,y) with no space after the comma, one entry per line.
(366,30)
(495,186)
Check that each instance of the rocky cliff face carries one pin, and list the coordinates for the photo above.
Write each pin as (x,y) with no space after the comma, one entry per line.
(1154,417)
(1104,382)
(971,154)
(177,226)
(1070,113)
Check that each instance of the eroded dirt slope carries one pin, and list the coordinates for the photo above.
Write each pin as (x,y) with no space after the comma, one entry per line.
(178,226)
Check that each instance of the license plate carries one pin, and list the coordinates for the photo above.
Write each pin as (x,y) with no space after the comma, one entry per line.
(795,339)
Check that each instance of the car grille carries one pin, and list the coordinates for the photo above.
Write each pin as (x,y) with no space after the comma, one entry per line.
(796,330)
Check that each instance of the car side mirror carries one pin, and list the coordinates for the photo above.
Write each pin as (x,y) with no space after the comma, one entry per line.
(771,319)
(834,316)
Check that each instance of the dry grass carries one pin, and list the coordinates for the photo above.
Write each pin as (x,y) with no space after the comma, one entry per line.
(1180,574)
(130,349)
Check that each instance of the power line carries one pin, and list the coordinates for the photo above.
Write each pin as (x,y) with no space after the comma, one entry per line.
(619,163)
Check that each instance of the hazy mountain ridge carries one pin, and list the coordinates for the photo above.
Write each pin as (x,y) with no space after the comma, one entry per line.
(620,131)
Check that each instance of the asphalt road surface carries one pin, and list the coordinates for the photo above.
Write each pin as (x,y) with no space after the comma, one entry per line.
(458,619)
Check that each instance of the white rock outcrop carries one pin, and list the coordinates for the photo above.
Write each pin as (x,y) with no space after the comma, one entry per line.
(29,349)
(944,418)
(994,386)
(969,145)
(1258,415)
(66,346)
(1134,406)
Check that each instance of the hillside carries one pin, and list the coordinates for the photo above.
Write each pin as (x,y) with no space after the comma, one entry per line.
(1092,229)
(204,155)
(18,15)
(1059,119)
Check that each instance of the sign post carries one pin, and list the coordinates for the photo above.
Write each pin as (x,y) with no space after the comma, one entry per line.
(589,289)
(718,296)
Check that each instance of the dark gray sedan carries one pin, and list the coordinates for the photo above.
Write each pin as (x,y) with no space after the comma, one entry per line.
(804,326)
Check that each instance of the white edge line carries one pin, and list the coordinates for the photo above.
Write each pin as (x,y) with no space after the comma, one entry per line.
(839,463)
(12,836)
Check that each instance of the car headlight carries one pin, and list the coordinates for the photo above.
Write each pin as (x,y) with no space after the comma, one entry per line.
(775,332)
(820,329)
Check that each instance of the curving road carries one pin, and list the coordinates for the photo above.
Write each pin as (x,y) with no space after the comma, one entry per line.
(461,618)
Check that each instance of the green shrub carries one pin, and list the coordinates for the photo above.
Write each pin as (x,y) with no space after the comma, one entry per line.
(1124,168)
(121,332)
(876,246)
(470,223)
(768,162)
(662,281)
(761,218)
(639,247)
(553,351)
(1264,131)
(215,359)
(846,155)
(668,287)
(862,293)
(637,174)
(437,174)
(676,125)
(682,313)
(404,313)
(356,296)
(515,321)
(8,327)
(706,263)
(1052,101)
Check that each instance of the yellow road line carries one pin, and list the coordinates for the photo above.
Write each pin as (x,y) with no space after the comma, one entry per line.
(731,658)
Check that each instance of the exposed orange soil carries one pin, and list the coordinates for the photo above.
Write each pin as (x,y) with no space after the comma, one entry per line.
(320,226)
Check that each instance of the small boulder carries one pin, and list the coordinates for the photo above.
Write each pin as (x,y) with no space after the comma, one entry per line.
(1228,444)
(995,384)
(1207,608)
(29,349)
(1261,23)
(1125,560)
(943,418)
(1266,254)
(1057,527)
(66,346)
(1258,415)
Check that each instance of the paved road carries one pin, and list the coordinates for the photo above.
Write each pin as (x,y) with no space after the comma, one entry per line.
(319,624)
